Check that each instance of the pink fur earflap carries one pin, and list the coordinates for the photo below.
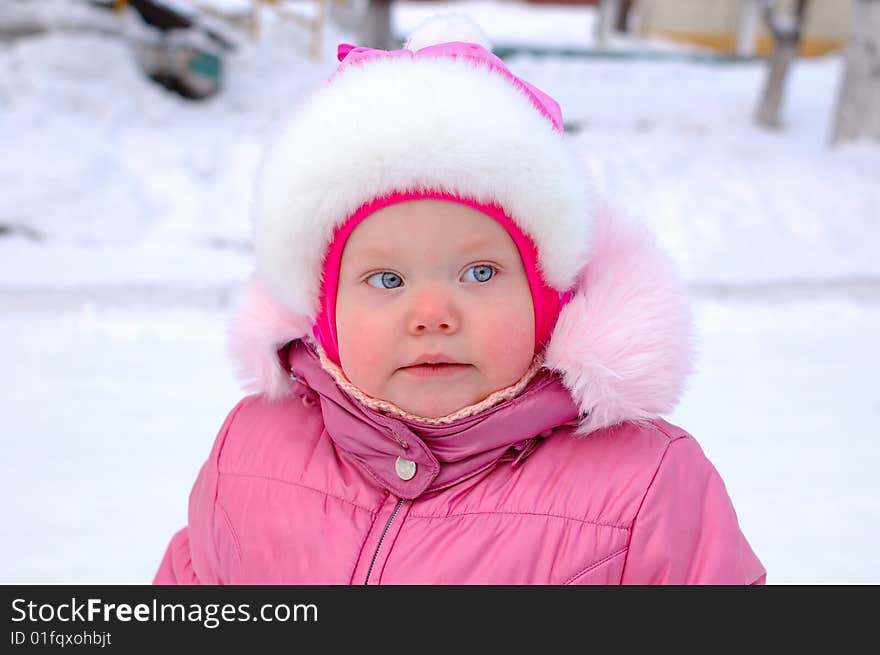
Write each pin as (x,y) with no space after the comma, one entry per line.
(624,343)
(261,324)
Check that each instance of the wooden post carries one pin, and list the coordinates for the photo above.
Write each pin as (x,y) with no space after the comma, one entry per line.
(317,28)
(376,31)
(858,103)
(254,22)
(787,38)
(606,17)
(623,13)
(747,27)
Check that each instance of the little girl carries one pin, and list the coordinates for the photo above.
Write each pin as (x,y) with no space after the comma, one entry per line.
(458,358)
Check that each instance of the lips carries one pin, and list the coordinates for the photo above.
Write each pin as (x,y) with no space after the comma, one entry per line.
(434,359)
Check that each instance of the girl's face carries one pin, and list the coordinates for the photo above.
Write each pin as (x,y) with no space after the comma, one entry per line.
(437,281)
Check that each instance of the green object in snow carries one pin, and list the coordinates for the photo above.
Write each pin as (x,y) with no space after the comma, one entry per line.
(206,64)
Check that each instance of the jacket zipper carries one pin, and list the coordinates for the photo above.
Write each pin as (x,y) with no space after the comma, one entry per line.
(382,538)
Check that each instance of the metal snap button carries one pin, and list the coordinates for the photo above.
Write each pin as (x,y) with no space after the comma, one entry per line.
(405,468)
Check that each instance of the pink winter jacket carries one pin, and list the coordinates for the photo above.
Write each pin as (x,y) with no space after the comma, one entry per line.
(574,481)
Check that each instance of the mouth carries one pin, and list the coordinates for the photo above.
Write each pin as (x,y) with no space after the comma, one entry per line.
(440,369)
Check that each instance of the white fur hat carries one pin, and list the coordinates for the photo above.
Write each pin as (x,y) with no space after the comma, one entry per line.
(445,114)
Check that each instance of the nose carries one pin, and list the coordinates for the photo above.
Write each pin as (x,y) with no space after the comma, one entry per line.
(434,311)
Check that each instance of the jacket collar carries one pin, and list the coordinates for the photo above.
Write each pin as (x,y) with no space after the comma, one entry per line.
(387,446)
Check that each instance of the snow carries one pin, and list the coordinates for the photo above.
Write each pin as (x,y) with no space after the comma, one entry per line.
(785,404)
(125,211)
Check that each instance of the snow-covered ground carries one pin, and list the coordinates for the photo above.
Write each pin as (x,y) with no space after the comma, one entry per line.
(125,210)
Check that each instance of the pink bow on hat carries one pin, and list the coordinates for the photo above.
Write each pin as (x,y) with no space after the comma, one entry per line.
(350,54)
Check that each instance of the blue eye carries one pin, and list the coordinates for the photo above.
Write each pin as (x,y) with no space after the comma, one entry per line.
(385,280)
(482,273)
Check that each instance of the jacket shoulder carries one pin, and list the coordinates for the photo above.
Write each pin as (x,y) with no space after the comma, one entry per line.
(267,438)
(604,476)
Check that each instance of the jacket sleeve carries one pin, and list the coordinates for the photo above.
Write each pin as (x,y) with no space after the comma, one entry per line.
(686,530)
(176,567)
(191,557)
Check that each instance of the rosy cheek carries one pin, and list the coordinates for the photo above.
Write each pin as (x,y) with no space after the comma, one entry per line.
(366,347)
(513,343)
(365,352)
(508,341)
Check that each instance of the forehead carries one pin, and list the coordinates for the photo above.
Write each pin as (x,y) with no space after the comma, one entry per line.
(427,224)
